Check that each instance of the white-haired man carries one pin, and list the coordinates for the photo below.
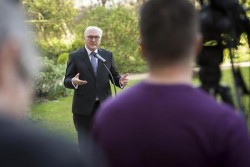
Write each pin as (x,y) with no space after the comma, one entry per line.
(90,80)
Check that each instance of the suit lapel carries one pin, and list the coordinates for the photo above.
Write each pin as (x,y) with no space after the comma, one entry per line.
(85,57)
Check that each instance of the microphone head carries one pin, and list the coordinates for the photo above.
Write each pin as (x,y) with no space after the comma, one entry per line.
(99,57)
(94,54)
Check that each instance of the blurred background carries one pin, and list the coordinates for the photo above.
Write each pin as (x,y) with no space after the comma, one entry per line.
(58,30)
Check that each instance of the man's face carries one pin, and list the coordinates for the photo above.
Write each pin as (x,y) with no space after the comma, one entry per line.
(92,39)
(15,87)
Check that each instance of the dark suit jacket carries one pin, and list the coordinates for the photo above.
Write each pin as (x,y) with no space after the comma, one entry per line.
(98,86)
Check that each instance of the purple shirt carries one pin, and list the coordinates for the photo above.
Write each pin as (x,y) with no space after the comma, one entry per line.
(170,125)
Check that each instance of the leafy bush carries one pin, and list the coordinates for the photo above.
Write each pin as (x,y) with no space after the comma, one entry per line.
(63,58)
(241,54)
(53,48)
(49,82)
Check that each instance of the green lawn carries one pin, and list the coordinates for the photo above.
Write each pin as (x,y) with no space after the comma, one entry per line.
(56,115)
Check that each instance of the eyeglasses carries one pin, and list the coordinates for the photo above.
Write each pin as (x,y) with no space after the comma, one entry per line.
(93,37)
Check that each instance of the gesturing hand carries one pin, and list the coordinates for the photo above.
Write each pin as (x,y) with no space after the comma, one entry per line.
(124,80)
(77,81)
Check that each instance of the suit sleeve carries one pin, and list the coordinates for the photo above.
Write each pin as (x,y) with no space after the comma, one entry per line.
(114,73)
(70,72)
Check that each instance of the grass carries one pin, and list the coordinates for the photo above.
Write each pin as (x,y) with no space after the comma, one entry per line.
(57,117)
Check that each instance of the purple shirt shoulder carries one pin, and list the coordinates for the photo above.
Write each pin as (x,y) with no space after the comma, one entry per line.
(170,125)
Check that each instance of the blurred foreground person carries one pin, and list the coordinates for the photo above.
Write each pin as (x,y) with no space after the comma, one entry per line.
(20,144)
(164,121)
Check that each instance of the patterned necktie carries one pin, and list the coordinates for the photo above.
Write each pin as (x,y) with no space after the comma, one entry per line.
(93,62)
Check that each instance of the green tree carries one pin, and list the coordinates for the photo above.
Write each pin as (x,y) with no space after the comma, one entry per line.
(53,22)
(120,34)
(51,18)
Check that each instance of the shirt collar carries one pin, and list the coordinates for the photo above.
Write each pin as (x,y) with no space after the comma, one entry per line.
(89,51)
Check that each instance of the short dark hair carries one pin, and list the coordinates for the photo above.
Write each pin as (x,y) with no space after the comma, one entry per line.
(167,28)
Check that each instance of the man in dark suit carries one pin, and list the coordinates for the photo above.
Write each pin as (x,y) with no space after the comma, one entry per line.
(88,76)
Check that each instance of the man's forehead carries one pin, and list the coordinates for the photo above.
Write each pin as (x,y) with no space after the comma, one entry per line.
(93,32)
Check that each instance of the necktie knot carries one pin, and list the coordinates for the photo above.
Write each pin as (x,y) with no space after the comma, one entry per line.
(92,54)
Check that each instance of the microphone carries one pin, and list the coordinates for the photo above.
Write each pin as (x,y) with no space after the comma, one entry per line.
(99,57)
(103,61)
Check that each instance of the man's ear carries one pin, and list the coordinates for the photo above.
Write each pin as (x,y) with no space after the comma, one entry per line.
(142,51)
(9,53)
(198,43)
(10,49)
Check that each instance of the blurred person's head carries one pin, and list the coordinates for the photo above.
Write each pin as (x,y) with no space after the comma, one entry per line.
(92,36)
(169,33)
(18,59)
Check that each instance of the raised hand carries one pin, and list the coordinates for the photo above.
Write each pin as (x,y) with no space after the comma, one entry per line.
(124,80)
(77,81)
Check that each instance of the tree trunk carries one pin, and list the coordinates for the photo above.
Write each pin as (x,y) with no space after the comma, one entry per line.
(104,2)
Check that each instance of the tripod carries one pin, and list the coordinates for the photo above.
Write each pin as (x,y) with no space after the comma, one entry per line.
(210,74)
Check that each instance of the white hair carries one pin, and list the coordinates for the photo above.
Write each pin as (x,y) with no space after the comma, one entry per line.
(13,27)
(99,30)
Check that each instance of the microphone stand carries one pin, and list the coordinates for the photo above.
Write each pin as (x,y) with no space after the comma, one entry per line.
(103,62)
(112,78)
(236,85)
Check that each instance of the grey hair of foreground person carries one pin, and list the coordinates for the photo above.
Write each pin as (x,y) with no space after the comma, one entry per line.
(14,30)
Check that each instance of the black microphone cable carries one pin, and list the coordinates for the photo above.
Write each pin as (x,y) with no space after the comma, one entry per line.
(103,62)
(112,78)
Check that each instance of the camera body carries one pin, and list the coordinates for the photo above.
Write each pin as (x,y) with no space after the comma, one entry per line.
(224,21)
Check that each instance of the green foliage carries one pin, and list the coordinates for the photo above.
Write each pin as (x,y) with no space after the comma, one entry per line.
(63,58)
(59,28)
(242,53)
(51,18)
(49,82)
(53,22)
(120,35)
(53,48)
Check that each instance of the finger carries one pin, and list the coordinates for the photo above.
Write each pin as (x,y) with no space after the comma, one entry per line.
(77,75)
(125,81)
(82,82)
(125,75)
(78,80)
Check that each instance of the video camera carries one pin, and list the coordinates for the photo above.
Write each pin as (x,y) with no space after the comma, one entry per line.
(222,24)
